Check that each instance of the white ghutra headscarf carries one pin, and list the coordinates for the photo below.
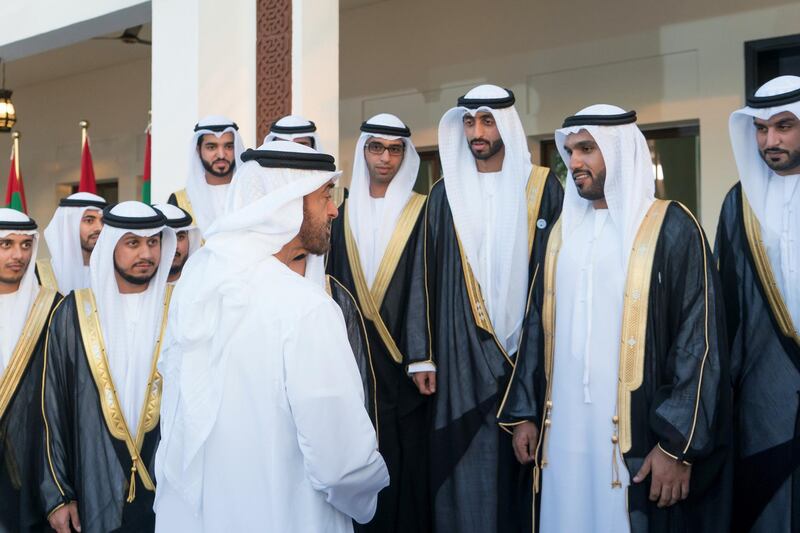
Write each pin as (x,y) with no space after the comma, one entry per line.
(293,127)
(372,234)
(63,237)
(207,204)
(130,332)
(494,233)
(17,305)
(772,197)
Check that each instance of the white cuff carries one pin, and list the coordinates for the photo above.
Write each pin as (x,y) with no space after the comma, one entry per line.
(424,366)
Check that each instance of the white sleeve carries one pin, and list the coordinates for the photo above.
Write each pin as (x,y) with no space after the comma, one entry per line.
(335,434)
(423,366)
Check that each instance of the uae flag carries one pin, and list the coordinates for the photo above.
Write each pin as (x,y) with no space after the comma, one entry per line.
(146,173)
(87,183)
(15,192)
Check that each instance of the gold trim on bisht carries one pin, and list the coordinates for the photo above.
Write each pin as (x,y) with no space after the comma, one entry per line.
(94,346)
(35,323)
(371,299)
(634,316)
(634,326)
(182,199)
(534,191)
(764,270)
(47,276)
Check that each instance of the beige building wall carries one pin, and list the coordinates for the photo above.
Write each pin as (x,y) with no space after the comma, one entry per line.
(114,99)
(671,61)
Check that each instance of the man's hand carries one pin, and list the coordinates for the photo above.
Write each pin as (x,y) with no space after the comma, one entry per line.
(425,382)
(526,436)
(61,518)
(670,482)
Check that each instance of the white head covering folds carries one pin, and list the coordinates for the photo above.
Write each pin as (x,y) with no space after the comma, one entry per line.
(130,340)
(205,203)
(771,196)
(630,186)
(264,211)
(63,236)
(494,233)
(179,220)
(372,246)
(18,304)
(293,127)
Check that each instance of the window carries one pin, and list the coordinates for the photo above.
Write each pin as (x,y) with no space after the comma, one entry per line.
(675,153)
(765,59)
(108,189)
(430,170)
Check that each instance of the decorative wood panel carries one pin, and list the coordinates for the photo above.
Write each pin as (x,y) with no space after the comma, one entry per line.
(273,63)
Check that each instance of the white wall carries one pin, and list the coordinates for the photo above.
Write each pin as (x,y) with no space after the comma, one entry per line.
(204,60)
(115,100)
(315,67)
(35,26)
(670,61)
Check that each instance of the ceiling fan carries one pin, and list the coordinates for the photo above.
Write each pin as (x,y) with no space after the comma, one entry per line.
(129,36)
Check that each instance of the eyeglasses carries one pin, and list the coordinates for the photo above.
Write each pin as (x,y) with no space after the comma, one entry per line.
(378,148)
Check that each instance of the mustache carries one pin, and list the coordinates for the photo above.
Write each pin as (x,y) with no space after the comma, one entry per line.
(479,140)
(144,262)
(776,151)
(15,264)
(585,171)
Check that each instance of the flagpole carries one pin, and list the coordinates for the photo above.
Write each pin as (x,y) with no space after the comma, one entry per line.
(84,124)
(16,135)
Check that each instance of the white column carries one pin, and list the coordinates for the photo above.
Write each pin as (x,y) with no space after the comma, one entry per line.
(315,67)
(204,62)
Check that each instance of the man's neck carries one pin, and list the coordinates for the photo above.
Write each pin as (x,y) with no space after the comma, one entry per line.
(174,277)
(493,164)
(9,288)
(600,204)
(86,257)
(211,179)
(293,255)
(126,287)
(786,173)
(377,189)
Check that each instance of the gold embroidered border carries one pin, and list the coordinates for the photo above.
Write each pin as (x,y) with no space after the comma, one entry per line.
(35,323)
(47,277)
(534,191)
(328,280)
(182,199)
(764,270)
(372,299)
(634,316)
(93,343)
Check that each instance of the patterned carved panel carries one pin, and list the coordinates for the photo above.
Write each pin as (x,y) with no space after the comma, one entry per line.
(273,63)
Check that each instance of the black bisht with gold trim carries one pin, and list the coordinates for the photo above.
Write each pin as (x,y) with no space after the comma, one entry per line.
(683,401)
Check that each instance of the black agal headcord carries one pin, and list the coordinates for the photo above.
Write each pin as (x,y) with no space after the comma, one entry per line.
(179,223)
(382,129)
(117,221)
(299,160)
(760,102)
(600,120)
(27,225)
(291,130)
(76,202)
(493,103)
(216,127)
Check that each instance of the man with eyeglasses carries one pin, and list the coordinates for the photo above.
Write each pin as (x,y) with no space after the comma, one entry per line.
(372,243)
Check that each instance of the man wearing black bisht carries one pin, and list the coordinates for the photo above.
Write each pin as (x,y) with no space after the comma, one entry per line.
(101,392)
(372,244)
(758,249)
(623,365)
(473,265)
(25,306)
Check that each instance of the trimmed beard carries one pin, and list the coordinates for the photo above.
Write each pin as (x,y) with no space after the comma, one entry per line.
(494,148)
(316,238)
(209,167)
(136,280)
(792,162)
